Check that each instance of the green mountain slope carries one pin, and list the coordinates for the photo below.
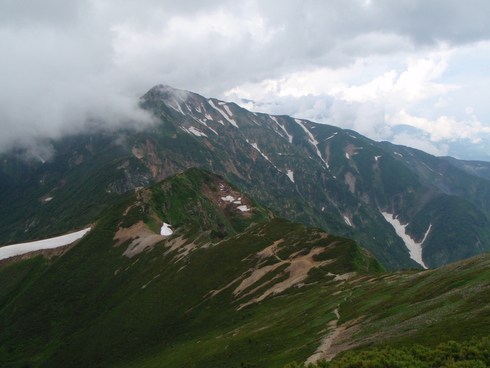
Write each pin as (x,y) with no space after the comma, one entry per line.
(126,295)
(233,285)
(315,174)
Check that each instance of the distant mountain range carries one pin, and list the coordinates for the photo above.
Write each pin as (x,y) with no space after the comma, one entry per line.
(316,174)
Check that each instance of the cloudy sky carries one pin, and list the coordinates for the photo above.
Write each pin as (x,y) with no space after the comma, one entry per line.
(415,72)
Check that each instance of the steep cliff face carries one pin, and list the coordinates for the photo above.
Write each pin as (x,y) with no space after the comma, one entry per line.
(316,174)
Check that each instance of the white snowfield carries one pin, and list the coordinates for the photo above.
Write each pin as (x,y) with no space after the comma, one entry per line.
(414,248)
(166,230)
(23,248)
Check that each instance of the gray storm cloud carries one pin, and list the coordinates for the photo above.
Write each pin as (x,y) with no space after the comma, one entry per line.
(68,62)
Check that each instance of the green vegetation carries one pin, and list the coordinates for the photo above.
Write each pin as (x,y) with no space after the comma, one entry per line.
(96,307)
(223,293)
(469,354)
(232,288)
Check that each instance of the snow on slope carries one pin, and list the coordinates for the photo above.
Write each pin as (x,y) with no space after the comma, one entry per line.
(256,147)
(312,140)
(230,120)
(290,137)
(165,230)
(23,248)
(414,248)
(194,131)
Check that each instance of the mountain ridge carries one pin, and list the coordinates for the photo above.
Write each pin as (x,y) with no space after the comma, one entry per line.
(316,174)
(262,291)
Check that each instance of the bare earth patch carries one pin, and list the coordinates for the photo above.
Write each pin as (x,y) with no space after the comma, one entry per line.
(142,237)
(337,340)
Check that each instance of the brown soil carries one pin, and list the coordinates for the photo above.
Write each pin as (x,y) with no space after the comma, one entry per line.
(142,236)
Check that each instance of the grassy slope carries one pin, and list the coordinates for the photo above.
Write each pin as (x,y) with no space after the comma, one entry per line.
(96,307)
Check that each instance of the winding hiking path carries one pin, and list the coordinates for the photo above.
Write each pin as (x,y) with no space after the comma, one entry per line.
(322,351)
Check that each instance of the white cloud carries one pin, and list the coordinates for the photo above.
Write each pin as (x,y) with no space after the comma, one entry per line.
(443,128)
(348,62)
(397,89)
(421,143)
(373,108)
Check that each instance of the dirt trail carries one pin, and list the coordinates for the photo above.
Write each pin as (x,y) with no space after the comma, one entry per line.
(323,350)
(332,344)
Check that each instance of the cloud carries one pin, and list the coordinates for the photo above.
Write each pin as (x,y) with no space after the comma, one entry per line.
(397,88)
(348,62)
(420,142)
(443,128)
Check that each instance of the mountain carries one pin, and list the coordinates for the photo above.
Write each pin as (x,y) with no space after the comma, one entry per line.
(477,168)
(382,195)
(231,285)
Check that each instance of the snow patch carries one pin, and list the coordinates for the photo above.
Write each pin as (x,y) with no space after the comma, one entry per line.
(203,122)
(254,145)
(177,108)
(197,132)
(23,248)
(347,155)
(228,198)
(243,208)
(376,158)
(290,174)
(230,120)
(347,221)
(214,131)
(165,230)
(194,131)
(312,140)
(290,137)
(415,249)
(48,199)
(228,110)
(333,135)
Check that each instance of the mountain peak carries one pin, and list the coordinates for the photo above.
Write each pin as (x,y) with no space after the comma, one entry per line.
(165,92)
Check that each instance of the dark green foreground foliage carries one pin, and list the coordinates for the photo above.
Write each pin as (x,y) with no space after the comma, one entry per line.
(469,354)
